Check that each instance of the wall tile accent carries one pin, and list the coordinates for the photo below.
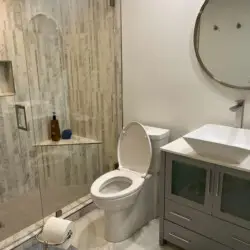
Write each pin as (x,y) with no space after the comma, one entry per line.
(66,57)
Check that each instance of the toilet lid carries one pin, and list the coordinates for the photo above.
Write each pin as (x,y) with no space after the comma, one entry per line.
(134,148)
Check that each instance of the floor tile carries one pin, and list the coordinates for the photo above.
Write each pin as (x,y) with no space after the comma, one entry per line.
(90,236)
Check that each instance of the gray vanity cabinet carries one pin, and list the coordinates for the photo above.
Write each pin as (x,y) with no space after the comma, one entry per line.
(232,196)
(189,182)
(203,206)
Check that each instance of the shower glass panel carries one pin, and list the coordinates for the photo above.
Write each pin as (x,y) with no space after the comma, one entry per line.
(20,200)
(68,168)
(20,204)
(66,175)
(74,50)
(63,58)
(50,94)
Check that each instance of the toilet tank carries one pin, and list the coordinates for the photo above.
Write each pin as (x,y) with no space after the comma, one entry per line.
(159,137)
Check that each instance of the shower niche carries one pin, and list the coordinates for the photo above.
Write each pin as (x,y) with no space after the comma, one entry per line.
(7,86)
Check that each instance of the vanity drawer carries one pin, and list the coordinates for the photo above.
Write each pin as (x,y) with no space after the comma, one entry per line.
(231,235)
(189,218)
(189,240)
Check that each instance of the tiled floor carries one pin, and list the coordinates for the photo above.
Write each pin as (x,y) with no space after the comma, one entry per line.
(90,236)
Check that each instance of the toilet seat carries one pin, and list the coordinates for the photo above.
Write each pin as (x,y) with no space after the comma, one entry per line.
(135,149)
(134,180)
(134,157)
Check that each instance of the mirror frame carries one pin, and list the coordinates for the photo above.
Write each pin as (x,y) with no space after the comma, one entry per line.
(196,48)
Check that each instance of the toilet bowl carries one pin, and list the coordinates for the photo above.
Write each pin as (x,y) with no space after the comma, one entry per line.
(116,190)
(127,194)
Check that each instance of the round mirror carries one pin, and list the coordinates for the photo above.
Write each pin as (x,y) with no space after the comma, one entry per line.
(222,41)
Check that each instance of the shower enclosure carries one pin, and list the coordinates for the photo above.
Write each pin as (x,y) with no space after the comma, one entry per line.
(58,56)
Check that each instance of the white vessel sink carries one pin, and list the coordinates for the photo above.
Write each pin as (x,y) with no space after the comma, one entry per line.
(220,142)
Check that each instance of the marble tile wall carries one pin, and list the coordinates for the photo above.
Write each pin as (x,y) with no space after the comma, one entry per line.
(66,57)
(92,40)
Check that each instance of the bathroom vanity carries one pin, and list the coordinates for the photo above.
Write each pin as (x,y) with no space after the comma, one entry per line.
(204,202)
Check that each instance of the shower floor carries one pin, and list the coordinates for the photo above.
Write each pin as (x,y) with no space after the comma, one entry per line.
(25,210)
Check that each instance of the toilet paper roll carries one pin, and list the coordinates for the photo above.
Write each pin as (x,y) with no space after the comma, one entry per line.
(56,231)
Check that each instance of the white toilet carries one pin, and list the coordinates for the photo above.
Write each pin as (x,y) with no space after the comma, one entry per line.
(129,195)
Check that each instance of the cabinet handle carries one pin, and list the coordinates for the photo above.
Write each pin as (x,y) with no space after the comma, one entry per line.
(179,238)
(241,241)
(218,185)
(180,216)
(210,181)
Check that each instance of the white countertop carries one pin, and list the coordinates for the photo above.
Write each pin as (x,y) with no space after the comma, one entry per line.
(181,147)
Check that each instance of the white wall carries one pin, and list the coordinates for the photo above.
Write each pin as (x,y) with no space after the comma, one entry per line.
(163,84)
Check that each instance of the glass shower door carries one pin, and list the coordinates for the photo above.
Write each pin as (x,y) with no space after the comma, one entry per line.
(68,167)
(20,200)
(20,204)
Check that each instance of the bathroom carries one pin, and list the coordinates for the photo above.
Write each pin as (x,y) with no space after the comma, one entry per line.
(99,65)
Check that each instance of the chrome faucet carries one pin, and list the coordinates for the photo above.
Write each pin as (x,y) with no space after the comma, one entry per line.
(239,113)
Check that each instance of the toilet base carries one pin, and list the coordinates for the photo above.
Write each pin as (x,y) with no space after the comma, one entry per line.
(120,225)
(117,225)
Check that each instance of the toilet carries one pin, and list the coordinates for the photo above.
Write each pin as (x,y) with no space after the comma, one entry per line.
(129,195)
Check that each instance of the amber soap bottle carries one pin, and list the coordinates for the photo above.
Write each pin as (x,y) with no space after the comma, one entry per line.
(55,129)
